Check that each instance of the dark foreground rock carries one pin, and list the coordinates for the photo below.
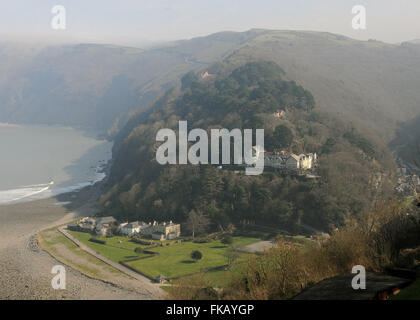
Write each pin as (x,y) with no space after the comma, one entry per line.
(378,286)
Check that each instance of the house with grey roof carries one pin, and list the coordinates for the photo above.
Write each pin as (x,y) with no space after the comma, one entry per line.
(289,161)
(130,228)
(100,226)
(104,224)
(158,231)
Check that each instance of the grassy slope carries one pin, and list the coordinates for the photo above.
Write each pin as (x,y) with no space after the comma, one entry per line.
(51,240)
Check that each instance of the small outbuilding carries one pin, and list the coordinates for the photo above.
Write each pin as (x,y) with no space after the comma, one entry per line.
(161,279)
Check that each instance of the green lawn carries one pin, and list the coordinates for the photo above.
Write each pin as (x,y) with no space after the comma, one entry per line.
(412,292)
(124,252)
(218,278)
(174,260)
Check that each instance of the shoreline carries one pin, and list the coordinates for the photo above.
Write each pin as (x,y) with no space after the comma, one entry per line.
(101,172)
(67,162)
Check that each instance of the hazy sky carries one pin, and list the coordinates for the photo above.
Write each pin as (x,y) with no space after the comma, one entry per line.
(134,21)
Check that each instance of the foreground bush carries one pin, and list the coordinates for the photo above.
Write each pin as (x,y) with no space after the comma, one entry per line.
(196,255)
(383,238)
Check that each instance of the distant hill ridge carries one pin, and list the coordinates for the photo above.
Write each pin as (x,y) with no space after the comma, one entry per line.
(97,87)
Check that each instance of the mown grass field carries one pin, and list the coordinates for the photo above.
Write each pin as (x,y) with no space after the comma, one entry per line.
(218,278)
(174,261)
(112,250)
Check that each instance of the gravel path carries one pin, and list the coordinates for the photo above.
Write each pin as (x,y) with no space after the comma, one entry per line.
(257,247)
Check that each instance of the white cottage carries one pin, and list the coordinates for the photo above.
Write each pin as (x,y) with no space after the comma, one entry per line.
(130,228)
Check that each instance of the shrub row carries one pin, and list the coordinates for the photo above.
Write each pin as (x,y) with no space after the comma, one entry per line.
(97,241)
(141,241)
(202,240)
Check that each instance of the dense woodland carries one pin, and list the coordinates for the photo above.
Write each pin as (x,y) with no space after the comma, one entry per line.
(354,168)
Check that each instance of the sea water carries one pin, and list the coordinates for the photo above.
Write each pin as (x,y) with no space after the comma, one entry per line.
(38,162)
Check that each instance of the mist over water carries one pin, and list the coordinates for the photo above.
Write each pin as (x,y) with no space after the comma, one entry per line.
(39,161)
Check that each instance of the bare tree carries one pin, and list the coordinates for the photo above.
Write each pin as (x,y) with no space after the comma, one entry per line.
(197,222)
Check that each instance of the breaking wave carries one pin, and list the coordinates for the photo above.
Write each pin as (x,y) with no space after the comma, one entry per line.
(43,191)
